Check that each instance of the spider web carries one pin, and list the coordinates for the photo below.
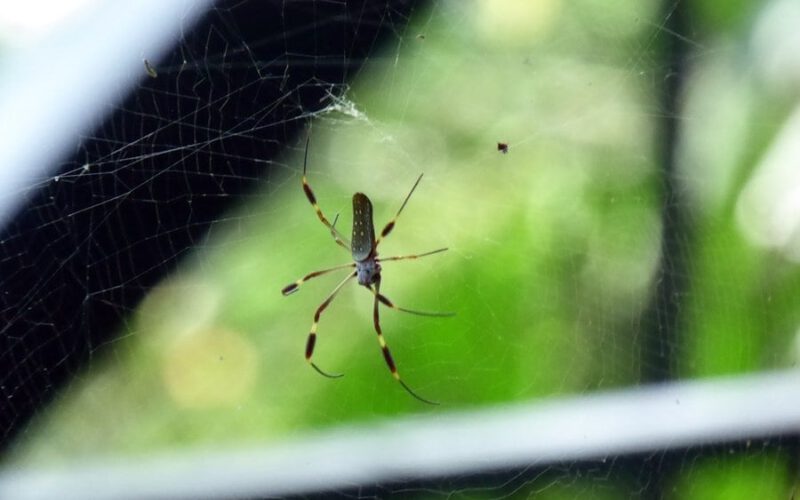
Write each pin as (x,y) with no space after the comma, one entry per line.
(640,228)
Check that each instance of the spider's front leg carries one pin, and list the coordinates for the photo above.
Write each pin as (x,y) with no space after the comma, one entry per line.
(387,355)
(312,336)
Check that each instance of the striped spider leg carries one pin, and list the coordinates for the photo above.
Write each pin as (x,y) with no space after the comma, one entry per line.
(367,270)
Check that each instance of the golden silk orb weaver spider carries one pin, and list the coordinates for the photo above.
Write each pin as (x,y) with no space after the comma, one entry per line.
(367,270)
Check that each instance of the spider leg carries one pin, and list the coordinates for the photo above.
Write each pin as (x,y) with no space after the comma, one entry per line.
(312,336)
(383,299)
(337,236)
(415,256)
(390,225)
(385,348)
(292,287)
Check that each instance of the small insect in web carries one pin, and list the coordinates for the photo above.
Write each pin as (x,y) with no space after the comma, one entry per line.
(367,270)
(502,147)
(150,70)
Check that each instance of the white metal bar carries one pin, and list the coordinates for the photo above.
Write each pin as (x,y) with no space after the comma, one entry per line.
(647,419)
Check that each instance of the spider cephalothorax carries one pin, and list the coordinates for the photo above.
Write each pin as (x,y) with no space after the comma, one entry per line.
(368,272)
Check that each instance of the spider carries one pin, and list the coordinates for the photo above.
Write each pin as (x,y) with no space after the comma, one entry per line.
(367,265)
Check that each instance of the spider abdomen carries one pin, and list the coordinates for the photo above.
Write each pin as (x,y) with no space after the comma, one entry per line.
(363,244)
